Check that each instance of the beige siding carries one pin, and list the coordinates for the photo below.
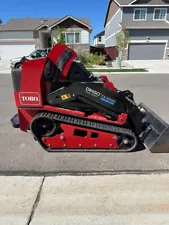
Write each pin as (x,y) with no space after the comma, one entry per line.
(85,37)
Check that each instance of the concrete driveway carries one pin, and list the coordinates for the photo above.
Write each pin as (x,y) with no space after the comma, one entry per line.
(153,66)
(124,199)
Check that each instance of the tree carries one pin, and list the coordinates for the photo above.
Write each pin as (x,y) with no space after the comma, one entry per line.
(59,36)
(122,40)
(1,22)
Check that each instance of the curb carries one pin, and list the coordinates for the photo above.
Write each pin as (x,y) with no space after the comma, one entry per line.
(128,73)
(82,173)
(1,73)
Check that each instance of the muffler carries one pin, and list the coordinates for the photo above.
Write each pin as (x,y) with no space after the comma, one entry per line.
(157,139)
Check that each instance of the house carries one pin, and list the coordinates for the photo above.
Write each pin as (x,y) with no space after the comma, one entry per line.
(99,40)
(147,22)
(21,36)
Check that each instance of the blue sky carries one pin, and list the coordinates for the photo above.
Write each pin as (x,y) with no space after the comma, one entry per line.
(95,10)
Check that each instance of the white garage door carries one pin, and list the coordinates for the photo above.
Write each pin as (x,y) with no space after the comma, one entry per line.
(13,50)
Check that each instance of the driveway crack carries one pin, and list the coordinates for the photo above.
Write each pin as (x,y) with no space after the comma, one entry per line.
(35,205)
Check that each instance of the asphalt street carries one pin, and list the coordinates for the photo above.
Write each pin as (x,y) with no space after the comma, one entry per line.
(20,153)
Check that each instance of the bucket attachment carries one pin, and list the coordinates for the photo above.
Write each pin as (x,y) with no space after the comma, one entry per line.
(157,139)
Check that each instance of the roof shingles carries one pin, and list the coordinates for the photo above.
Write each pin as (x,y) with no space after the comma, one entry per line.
(124,2)
(145,2)
(153,2)
(29,24)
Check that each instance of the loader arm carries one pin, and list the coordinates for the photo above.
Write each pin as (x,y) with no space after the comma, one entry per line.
(96,96)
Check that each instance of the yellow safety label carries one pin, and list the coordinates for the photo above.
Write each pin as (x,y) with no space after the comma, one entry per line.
(65,97)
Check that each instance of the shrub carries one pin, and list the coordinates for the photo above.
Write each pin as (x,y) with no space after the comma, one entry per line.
(93,59)
(83,57)
(101,60)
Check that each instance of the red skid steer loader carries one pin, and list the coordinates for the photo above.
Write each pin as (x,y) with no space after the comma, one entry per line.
(67,108)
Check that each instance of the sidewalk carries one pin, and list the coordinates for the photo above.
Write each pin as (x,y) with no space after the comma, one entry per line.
(87,200)
(153,66)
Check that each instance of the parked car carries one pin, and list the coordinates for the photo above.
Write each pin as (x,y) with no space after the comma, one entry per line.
(38,53)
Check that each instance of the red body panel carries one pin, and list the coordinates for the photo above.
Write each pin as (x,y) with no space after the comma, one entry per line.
(108,84)
(104,140)
(68,140)
(30,84)
(55,53)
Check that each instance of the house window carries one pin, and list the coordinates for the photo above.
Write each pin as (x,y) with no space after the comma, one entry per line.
(69,38)
(140,14)
(100,39)
(72,37)
(77,37)
(160,14)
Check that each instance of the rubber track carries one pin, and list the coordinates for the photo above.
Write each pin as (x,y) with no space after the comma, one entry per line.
(72,120)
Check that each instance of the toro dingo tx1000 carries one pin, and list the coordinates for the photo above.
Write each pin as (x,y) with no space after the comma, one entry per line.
(67,108)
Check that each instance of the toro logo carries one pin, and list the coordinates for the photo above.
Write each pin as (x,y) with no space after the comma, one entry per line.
(29,98)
